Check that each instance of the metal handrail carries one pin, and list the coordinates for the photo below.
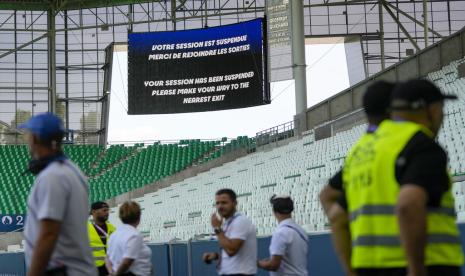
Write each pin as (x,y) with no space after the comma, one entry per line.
(275,134)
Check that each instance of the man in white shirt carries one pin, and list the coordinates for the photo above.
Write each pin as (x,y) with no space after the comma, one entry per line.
(236,236)
(289,243)
(57,207)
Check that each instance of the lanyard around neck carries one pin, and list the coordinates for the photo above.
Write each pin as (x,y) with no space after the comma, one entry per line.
(228,224)
(372,128)
(100,228)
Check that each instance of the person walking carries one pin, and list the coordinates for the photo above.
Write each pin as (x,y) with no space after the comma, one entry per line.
(236,237)
(57,207)
(99,232)
(289,242)
(127,253)
(398,192)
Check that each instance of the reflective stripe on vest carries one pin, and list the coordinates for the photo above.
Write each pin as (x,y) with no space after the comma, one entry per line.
(395,240)
(390,209)
(371,188)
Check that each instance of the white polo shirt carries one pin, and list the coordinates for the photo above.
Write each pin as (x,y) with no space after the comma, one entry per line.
(127,242)
(245,260)
(60,193)
(290,241)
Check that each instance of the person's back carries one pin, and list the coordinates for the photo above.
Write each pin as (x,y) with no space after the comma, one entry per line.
(118,248)
(372,183)
(127,254)
(60,192)
(376,101)
(289,242)
(294,239)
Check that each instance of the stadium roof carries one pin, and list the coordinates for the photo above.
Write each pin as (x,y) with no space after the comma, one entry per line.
(58,5)
(74,63)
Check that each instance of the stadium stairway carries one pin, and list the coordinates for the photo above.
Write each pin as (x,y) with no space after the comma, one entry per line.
(107,164)
(114,155)
(97,160)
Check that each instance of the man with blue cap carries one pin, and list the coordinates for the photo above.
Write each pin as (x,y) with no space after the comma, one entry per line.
(56,227)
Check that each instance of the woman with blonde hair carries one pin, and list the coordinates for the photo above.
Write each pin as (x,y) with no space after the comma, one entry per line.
(127,254)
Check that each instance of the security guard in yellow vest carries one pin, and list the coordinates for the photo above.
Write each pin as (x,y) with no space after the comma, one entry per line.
(99,232)
(376,107)
(398,192)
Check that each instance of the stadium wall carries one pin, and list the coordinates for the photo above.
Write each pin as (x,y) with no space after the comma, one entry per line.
(9,238)
(184,259)
(430,59)
(272,145)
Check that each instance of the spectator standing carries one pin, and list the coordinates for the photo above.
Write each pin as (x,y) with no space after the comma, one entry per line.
(236,236)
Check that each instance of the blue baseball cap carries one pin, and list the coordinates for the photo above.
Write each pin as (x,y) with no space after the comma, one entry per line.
(44,125)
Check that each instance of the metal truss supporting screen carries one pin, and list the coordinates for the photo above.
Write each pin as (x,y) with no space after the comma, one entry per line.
(197,70)
(278,17)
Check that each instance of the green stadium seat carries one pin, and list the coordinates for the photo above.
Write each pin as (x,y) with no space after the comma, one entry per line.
(111,171)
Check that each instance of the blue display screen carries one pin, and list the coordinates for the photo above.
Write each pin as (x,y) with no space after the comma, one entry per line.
(197,70)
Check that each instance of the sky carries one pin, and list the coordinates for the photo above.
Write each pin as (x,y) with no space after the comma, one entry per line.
(326,76)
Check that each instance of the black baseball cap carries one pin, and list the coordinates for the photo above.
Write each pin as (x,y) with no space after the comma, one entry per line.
(417,94)
(282,204)
(377,98)
(99,205)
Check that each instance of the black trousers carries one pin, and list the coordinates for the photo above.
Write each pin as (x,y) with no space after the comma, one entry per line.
(432,271)
(56,272)
(102,271)
(237,275)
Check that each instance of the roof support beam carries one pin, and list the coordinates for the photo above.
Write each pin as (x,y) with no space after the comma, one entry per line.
(425,22)
(52,78)
(381,34)
(23,46)
(402,28)
(414,20)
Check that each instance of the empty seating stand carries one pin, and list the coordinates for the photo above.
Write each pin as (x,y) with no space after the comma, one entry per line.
(14,187)
(182,210)
(147,166)
(83,155)
(111,171)
(300,169)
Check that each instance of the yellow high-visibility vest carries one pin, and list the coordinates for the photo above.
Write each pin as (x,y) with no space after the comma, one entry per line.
(372,190)
(98,248)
